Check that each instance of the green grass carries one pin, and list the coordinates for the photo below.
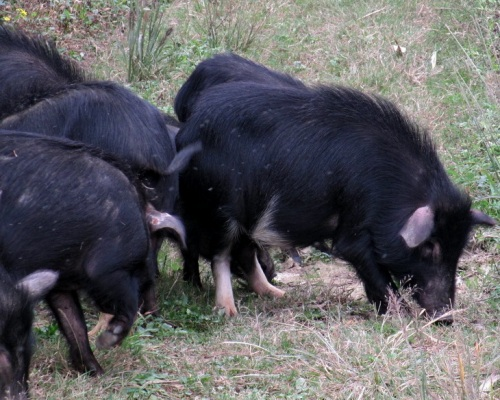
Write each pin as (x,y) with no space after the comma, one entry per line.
(147,40)
(321,340)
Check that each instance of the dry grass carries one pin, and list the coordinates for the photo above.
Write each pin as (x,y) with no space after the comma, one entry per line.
(322,340)
(316,343)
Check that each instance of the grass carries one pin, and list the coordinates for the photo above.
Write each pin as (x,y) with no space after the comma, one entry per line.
(323,340)
(229,25)
(147,39)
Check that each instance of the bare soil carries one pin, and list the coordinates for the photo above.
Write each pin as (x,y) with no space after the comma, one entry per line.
(336,274)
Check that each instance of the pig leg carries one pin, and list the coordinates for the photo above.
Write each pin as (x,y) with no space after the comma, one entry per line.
(247,255)
(147,300)
(116,293)
(147,306)
(69,315)
(259,283)
(267,264)
(221,270)
(148,303)
(191,254)
(377,284)
(191,268)
(294,254)
(376,280)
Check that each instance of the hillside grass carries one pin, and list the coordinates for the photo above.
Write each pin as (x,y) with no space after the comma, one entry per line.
(319,341)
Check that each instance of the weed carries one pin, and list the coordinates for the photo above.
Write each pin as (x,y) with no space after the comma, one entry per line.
(182,312)
(12,15)
(230,25)
(147,40)
(47,331)
(147,385)
(476,93)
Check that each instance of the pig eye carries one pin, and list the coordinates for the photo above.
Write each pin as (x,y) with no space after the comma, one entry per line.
(426,250)
(431,251)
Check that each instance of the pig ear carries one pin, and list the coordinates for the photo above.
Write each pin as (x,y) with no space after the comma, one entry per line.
(480,218)
(38,284)
(158,220)
(172,131)
(182,158)
(419,226)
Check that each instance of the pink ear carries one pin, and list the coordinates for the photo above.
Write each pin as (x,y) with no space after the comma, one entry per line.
(419,226)
(481,218)
(158,220)
(38,284)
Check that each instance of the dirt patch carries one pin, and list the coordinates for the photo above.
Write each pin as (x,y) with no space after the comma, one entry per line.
(339,276)
(335,274)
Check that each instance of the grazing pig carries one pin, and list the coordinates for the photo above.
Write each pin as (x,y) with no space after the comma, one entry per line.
(290,166)
(220,69)
(225,68)
(16,319)
(81,213)
(44,92)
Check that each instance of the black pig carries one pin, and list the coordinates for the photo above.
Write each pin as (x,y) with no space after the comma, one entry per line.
(31,69)
(225,68)
(16,318)
(290,166)
(82,213)
(44,92)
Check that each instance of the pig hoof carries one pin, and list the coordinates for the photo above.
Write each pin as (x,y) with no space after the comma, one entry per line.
(275,292)
(95,370)
(88,365)
(107,339)
(228,311)
(231,312)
